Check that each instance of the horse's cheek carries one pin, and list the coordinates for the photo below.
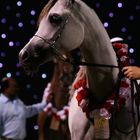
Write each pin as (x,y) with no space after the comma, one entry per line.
(73,38)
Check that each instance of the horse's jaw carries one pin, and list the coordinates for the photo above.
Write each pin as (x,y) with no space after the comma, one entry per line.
(28,65)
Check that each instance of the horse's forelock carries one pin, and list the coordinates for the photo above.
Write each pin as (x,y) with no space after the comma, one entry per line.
(46,9)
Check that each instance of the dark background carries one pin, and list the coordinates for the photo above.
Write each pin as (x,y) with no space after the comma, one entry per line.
(17,26)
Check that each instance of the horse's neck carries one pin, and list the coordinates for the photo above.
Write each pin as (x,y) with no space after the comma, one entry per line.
(101,80)
(97,48)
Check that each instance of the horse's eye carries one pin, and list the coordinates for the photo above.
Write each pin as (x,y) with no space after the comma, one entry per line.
(55,19)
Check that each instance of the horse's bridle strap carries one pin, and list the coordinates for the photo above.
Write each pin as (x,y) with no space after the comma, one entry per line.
(80,63)
(52,44)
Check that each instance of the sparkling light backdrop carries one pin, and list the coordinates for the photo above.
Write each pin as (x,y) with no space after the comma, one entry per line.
(18,24)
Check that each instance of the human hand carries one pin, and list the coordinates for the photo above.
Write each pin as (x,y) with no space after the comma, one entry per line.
(47,96)
(132,72)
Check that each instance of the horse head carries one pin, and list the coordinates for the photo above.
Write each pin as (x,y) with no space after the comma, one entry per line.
(59,31)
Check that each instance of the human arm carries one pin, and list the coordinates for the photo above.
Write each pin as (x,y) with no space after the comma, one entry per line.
(132,72)
(36,108)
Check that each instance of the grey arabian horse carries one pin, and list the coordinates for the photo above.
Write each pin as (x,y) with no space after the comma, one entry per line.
(65,25)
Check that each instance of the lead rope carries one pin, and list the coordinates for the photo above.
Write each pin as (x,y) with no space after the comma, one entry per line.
(137,98)
(133,112)
(80,63)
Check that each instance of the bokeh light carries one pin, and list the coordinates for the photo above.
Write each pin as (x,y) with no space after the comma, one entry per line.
(131,50)
(19,3)
(111,14)
(20,24)
(8,74)
(3,20)
(120,5)
(3,36)
(36,127)
(44,76)
(11,43)
(1,65)
(33,12)
(106,24)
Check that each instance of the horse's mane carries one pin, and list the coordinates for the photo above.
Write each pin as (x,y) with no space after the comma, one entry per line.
(61,71)
(61,81)
(80,75)
(46,9)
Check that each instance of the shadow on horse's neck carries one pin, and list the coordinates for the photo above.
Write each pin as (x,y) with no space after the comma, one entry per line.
(97,48)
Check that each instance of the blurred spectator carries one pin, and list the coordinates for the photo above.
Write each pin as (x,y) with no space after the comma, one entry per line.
(13,112)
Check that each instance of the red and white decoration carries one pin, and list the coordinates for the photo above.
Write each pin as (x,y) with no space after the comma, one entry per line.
(105,109)
(58,114)
(50,110)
